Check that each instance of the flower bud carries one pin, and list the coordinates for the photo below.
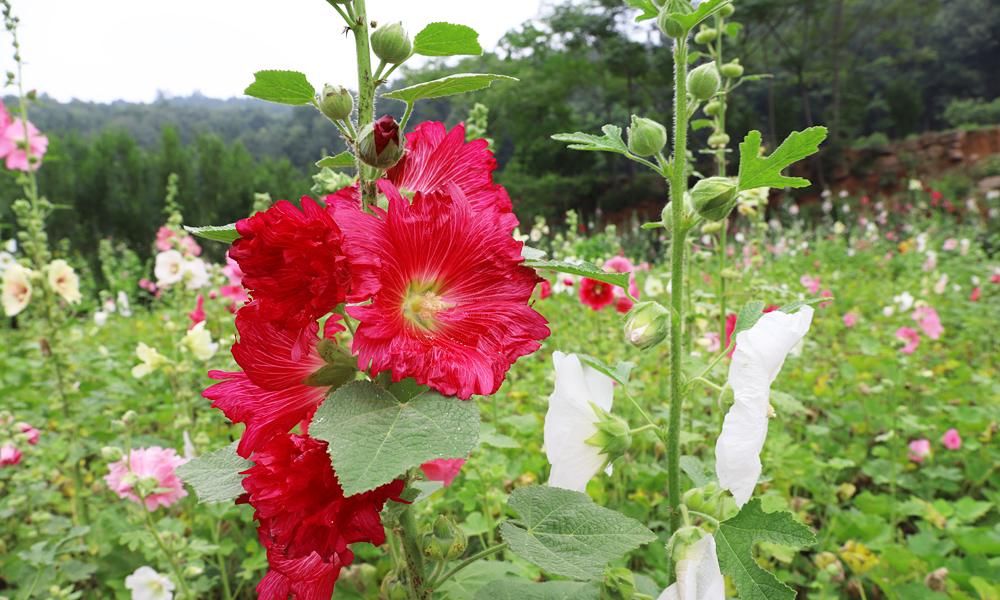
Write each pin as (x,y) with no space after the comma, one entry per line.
(718,140)
(391,43)
(667,215)
(713,108)
(732,70)
(681,540)
(111,453)
(613,437)
(647,324)
(646,137)
(711,227)
(714,197)
(337,103)
(380,144)
(727,10)
(703,81)
(706,35)
(667,23)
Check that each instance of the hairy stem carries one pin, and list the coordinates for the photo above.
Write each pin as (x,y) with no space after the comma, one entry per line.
(366,93)
(477,556)
(414,558)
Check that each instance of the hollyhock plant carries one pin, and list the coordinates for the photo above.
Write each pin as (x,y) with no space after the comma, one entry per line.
(168,268)
(198,342)
(32,435)
(194,271)
(293,264)
(929,321)
(919,450)
(698,574)
(444,470)
(271,395)
(596,294)
(911,337)
(154,463)
(64,281)
(146,584)
(305,522)
(452,316)
(760,353)
(571,420)
(21,144)
(198,314)
(951,439)
(151,360)
(9,455)
(16,289)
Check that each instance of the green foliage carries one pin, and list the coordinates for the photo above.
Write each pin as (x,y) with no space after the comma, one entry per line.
(282,87)
(566,533)
(757,171)
(611,141)
(217,233)
(447,39)
(518,589)
(735,540)
(446,86)
(972,112)
(374,436)
(344,160)
(582,269)
(216,476)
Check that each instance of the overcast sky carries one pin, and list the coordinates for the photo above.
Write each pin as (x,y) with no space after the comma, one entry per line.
(105,50)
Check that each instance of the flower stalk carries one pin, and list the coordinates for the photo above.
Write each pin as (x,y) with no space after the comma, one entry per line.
(366,92)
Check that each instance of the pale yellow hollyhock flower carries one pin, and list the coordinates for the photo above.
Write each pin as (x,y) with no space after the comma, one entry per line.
(199,342)
(151,360)
(16,289)
(64,281)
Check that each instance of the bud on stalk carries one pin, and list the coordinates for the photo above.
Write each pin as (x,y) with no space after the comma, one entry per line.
(714,197)
(647,324)
(732,70)
(646,137)
(392,44)
(380,144)
(337,103)
(703,81)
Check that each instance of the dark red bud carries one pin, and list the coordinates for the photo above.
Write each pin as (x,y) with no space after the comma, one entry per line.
(386,130)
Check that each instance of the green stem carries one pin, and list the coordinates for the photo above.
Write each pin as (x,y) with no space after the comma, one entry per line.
(645,427)
(366,93)
(481,554)
(171,560)
(221,562)
(678,189)
(414,558)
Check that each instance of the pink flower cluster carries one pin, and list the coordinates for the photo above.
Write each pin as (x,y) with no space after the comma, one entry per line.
(154,462)
(10,454)
(920,449)
(21,144)
(929,322)
(168,239)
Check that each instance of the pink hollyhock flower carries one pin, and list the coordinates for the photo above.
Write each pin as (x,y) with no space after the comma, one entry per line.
(851,319)
(920,450)
(950,244)
(32,433)
(825,294)
(976,294)
(928,320)
(596,294)
(618,264)
(995,278)
(544,289)
(437,158)
(189,246)
(305,522)
(154,462)
(164,239)
(454,316)
(16,147)
(9,455)
(444,470)
(198,314)
(951,439)
(811,283)
(911,337)
(232,271)
(270,395)
(711,342)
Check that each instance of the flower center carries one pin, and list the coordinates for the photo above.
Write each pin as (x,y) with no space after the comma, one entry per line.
(422,303)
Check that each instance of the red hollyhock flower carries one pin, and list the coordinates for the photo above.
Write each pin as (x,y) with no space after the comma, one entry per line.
(386,130)
(596,294)
(544,289)
(731,327)
(444,470)
(304,521)
(436,158)
(270,395)
(449,295)
(292,262)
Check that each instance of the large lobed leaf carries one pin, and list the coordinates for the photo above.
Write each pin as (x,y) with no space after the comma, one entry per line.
(216,476)
(611,141)
(283,87)
(375,436)
(565,533)
(757,171)
(447,39)
(583,269)
(343,160)
(447,86)
(649,10)
(735,540)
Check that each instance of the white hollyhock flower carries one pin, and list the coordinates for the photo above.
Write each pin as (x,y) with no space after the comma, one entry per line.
(904,301)
(146,584)
(169,268)
(760,352)
(199,342)
(653,287)
(100,318)
(64,281)
(195,274)
(151,360)
(16,289)
(124,308)
(698,574)
(571,420)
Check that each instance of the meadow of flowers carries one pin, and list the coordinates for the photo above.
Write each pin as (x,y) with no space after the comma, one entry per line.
(394,389)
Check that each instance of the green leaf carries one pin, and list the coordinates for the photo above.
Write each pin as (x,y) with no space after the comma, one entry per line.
(582,269)
(619,372)
(701,124)
(447,86)
(283,87)
(530,253)
(341,161)
(649,10)
(735,540)
(510,588)
(695,469)
(565,533)
(756,171)
(794,306)
(749,315)
(705,10)
(447,39)
(374,436)
(217,233)
(216,476)
(611,141)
